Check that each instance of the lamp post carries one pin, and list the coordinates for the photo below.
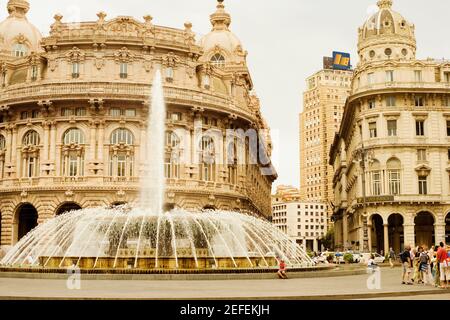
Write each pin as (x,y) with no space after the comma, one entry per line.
(362,154)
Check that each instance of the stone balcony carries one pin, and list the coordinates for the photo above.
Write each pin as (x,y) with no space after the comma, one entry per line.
(402,86)
(33,92)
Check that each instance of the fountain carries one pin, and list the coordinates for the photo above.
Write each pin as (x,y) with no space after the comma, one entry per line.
(143,237)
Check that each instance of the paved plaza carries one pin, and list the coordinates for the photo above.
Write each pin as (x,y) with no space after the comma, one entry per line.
(344,287)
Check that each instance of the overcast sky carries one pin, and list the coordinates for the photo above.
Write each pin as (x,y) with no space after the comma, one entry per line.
(286,40)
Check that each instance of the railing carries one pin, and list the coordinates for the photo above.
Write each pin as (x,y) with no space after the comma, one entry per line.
(405,85)
(141,91)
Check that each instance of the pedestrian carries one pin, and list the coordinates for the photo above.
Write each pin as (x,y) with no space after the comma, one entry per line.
(391,257)
(405,258)
(447,273)
(415,264)
(282,270)
(424,260)
(442,261)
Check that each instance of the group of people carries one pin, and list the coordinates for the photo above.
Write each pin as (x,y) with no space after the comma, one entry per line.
(423,265)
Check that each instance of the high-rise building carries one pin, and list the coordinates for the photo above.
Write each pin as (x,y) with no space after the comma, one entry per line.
(304,222)
(323,103)
(392,153)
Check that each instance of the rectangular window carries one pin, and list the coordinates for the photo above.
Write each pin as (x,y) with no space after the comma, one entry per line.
(130,112)
(73,165)
(418,76)
(373,129)
(34,73)
(124,70)
(80,112)
(422,155)
(389,76)
(419,101)
(390,101)
(446,101)
(176,116)
(420,128)
(448,128)
(447,77)
(370,78)
(372,104)
(66,112)
(35,114)
(423,185)
(392,128)
(448,154)
(394,182)
(115,112)
(23,115)
(75,70)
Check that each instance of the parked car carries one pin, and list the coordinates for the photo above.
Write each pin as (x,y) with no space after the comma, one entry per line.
(379,259)
(356,255)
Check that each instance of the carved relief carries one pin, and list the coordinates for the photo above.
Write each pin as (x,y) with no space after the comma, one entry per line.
(75,55)
(170,60)
(55,28)
(124,55)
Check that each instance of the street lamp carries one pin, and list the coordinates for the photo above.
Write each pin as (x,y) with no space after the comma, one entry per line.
(362,154)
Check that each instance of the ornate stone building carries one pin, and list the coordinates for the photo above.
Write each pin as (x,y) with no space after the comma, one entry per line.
(398,117)
(73,111)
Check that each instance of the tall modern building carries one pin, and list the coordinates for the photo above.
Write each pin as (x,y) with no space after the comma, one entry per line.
(392,155)
(323,103)
(304,222)
(73,117)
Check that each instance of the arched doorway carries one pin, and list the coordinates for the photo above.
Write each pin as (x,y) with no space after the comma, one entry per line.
(206,208)
(396,233)
(447,229)
(26,219)
(424,229)
(377,233)
(67,207)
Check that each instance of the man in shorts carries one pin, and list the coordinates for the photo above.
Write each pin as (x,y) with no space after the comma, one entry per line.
(405,258)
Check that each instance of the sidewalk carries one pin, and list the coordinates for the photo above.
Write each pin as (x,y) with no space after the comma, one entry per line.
(348,287)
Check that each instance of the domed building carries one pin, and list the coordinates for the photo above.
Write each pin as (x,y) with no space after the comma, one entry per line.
(392,154)
(74,109)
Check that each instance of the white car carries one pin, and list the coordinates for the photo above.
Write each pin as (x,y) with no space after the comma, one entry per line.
(379,259)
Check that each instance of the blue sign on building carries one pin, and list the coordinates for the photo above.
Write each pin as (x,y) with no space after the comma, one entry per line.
(341,61)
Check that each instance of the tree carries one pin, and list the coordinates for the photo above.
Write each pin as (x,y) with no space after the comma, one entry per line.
(328,239)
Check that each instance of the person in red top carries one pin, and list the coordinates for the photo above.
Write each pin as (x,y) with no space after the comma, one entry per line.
(442,260)
(282,270)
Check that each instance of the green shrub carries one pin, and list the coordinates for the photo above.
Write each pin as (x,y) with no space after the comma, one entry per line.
(348,258)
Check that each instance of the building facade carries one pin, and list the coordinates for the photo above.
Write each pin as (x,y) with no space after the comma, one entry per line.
(323,104)
(304,222)
(74,109)
(392,154)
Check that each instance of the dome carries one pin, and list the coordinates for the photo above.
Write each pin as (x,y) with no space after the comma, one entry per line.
(387,28)
(220,38)
(17,30)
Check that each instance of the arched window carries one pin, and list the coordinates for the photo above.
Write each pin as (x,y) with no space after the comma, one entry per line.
(30,154)
(73,136)
(207,159)
(218,60)
(393,170)
(122,136)
(173,154)
(73,153)
(31,138)
(375,178)
(19,50)
(2,155)
(121,158)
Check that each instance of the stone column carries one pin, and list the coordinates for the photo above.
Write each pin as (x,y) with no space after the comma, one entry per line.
(439,232)
(7,229)
(409,235)
(101,138)
(45,148)
(92,155)
(344,231)
(369,233)
(315,245)
(52,156)
(142,145)
(386,238)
